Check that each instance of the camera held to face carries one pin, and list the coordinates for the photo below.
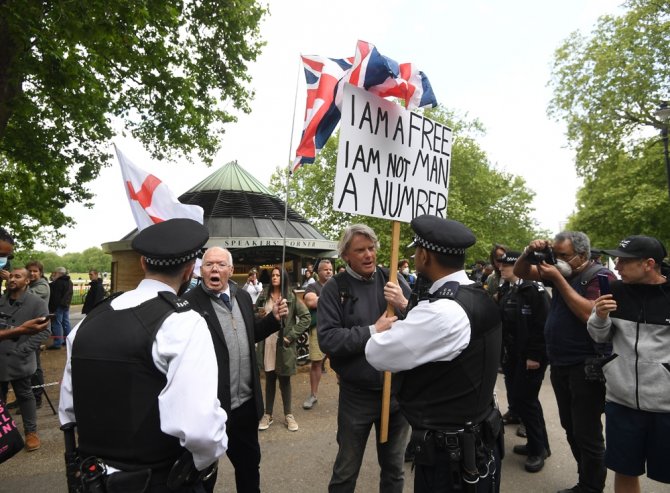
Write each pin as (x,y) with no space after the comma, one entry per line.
(546,255)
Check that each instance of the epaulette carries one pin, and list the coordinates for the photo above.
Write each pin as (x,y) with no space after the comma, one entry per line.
(179,304)
(448,290)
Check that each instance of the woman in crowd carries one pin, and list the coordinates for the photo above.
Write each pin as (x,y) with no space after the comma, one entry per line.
(277,354)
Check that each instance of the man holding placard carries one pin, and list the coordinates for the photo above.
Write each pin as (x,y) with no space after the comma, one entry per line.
(352,307)
(448,349)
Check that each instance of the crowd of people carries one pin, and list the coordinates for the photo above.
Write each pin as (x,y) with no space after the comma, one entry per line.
(547,306)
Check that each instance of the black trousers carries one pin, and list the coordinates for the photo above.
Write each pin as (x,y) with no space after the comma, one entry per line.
(581,404)
(525,389)
(244,452)
(438,478)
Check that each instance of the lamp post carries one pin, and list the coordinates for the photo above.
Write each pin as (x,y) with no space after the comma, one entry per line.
(663,114)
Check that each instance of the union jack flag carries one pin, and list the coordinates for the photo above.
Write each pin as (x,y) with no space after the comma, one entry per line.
(368,69)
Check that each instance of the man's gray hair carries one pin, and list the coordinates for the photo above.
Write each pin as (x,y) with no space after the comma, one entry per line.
(580,242)
(353,230)
(61,270)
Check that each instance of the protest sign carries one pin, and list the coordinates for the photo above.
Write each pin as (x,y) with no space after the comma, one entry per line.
(392,163)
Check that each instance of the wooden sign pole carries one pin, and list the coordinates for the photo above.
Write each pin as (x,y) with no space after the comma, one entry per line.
(393,277)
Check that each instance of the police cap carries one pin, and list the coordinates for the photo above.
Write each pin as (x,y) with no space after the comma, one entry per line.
(172,242)
(510,258)
(440,235)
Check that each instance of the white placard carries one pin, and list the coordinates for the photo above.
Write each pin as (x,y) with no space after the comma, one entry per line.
(391,163)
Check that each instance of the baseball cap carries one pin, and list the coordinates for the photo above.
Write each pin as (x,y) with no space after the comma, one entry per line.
(639,246)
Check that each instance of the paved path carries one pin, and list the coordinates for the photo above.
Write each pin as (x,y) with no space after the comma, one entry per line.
(299,462)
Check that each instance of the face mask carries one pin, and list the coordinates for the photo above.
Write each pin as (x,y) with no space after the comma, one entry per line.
(564,268)
(405,271)
(3,262)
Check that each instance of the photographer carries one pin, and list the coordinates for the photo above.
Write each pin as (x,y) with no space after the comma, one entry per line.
(636,315)
(565,266)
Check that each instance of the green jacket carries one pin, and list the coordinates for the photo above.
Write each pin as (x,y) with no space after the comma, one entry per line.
(297,322)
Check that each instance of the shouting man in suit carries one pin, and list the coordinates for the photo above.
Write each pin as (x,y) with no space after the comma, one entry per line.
(229,313)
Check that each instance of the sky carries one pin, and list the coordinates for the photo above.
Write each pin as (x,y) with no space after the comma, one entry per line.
(486,59)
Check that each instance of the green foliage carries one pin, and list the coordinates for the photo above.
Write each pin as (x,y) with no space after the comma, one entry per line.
(627,195)
(71,71)
(91,258)
(608,86)
(495,205)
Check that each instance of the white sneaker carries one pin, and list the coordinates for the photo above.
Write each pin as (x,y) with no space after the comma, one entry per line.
(265,422)
(291,423)
(309,402)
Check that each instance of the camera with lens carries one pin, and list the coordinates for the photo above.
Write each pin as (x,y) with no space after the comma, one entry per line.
(539,256)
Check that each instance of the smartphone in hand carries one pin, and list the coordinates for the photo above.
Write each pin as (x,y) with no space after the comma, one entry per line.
(604,283)
(51,317)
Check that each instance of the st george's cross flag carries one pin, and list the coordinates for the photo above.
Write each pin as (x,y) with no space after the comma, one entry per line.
(367,69)
(151,201)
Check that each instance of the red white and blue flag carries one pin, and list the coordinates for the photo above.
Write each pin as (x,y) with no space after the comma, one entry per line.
(368,69)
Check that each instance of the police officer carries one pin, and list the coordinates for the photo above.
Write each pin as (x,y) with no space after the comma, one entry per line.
(141,375)
(524,307)
(448,350)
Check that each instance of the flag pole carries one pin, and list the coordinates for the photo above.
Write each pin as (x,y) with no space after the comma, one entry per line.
(288,180)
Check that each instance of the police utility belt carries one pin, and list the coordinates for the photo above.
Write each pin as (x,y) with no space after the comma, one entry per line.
(468,451)
(94,477)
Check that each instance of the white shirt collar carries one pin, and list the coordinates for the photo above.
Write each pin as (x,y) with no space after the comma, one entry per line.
(459,276)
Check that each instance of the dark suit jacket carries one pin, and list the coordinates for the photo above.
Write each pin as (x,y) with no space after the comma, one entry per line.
(257,330)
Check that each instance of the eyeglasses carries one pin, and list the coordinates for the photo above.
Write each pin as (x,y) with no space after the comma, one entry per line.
(210,265)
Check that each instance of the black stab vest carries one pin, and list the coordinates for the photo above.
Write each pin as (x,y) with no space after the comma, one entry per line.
(115,385)
(443,395)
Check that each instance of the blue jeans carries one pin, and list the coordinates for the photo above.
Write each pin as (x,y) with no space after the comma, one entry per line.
(358,410)
(60,327)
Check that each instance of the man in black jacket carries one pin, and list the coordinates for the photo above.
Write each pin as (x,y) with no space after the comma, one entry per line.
(59,303)
(95,294)
(229,313)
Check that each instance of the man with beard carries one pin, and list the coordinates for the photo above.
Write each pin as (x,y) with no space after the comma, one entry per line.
(447,350)
(565,266)
(17,357)
(229,313)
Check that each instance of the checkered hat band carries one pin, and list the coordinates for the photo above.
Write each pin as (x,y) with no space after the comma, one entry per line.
(171,261)
(438,248)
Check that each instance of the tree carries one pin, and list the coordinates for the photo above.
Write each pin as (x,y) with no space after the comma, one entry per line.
(91,258)
(495,205)
(608,87)
(71,71)
(623,197)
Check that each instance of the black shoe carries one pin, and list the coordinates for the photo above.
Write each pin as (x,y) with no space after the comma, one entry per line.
(13,405)
(535,463)
(520,449)
(53,347)
(574,489)
(523,450)
(511,419)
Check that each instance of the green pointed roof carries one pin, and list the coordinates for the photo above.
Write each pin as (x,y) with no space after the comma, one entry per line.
(231,177)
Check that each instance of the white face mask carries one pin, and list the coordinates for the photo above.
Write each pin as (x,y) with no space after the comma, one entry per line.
(564,268)
(3,262)
(405,271)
